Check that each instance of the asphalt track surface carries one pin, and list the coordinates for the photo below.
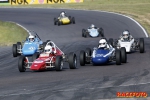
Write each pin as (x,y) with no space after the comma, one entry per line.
(86,82)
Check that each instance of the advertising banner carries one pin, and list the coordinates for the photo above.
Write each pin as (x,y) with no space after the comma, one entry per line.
(28,2)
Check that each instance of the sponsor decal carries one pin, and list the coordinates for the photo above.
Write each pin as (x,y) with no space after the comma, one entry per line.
(26,2)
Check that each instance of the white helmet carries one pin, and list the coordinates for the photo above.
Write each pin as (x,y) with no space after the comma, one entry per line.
(63,14)
(31,38)
(125,34)
(102,43)
(48,49)
(92,26)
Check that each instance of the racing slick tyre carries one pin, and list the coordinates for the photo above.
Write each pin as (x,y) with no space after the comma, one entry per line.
(59,63)
(73,20)
(35,56)
(101,32)
(82,58)
(55,21)
(14,50)
(83,32)
(72,60)
(19,46)
(111,42)
(59,23)
(123,55)
(21,64)
(118,57)
(88,53)
(141,45)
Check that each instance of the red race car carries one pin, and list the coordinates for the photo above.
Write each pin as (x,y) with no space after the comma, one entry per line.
(52,57)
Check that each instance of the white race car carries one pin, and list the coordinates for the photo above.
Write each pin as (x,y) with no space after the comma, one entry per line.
(130,45)
(96,32)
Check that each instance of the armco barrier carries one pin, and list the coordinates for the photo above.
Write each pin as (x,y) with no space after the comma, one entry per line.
(28,2)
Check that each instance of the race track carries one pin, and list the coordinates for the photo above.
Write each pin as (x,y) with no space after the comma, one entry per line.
(86,82)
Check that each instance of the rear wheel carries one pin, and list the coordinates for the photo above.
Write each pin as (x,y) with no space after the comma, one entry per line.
(141,45)
(35,56)
(19,46)
(55,21)
(123,55)
(14,50)
(88,54)
(72,59)
(22,64)
(59,23)
(82,58)
(59,63)
(118,57)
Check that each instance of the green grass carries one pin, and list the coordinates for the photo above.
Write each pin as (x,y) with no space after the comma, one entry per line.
(11,33)
(137,9)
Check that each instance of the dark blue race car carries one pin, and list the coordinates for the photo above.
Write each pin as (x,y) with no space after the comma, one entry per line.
(29,48)
(101,56)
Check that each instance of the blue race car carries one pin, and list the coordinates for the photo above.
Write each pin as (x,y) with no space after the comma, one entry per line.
(103,56)
(93,32)
(30,46)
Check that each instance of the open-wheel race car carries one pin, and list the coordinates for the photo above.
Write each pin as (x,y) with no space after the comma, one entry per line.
(93,32)
(64,19)
(101,56)
(131,44)
(28,47)
(52,57)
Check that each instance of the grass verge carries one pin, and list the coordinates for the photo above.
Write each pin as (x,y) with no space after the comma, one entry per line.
(11,33)
(137,9)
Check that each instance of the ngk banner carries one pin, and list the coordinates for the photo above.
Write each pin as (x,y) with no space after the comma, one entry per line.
(28,2)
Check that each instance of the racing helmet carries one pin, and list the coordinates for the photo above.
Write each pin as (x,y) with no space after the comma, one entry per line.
(125,34)
(102,43)
(62,14)
(92,26)
(48,49)
(31,38)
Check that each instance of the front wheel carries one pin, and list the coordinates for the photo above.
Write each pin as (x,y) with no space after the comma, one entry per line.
(73,20)
(118,57)
(55,21)
(59,63)
(141,45)
(72,59)
(22,64)
(82,58)
(123,55)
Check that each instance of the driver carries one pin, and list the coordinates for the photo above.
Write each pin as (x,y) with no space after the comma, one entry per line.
(31,38)
(126,36)
(62,15)
(103,44)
